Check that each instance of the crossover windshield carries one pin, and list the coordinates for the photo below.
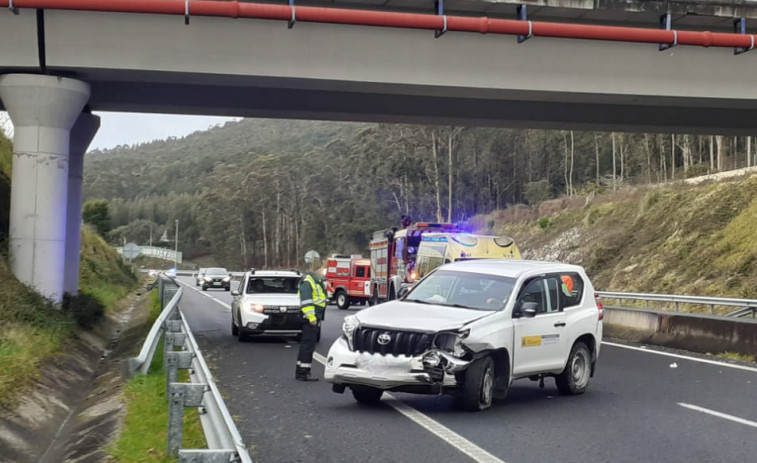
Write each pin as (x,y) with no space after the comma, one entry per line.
(269,285)
(463,289)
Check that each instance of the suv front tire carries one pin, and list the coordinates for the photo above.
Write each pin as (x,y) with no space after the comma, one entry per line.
(478,389)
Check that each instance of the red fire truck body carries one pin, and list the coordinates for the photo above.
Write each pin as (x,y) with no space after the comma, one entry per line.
(348,280)
(393,254)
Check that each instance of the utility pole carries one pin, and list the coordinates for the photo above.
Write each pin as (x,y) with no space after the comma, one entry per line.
(176,248)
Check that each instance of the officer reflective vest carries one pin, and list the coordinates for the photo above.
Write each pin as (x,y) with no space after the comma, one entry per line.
(314,303)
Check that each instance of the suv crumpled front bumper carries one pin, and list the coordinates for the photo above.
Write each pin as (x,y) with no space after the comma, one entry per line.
(344,366)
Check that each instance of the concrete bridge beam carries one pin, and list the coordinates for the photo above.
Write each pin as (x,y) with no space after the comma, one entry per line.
(43,110)
(82,133)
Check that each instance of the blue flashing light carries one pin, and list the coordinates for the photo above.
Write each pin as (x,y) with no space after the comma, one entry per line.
(435,239)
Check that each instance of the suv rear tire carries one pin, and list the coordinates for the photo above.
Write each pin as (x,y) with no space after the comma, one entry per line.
(478,389)
(367,395)
(342,300)
(574,379)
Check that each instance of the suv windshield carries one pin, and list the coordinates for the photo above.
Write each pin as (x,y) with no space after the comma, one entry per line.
(216,271)
(285,285)
(463,289)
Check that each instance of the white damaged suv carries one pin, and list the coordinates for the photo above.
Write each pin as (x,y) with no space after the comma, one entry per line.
(470,328)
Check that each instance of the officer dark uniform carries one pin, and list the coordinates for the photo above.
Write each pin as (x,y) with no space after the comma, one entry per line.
(313,306)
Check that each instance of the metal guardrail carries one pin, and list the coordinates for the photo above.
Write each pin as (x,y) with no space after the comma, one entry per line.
(144,359)
(224,442)
(746,307)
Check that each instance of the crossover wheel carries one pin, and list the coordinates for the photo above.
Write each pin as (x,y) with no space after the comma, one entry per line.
(574,379)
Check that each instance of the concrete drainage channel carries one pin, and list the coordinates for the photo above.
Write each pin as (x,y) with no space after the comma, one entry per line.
(223,439)
(74,408)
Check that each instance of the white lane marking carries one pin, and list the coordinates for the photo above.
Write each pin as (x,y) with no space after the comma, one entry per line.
(693,359)
(434,427)
(725,416)
(227,306)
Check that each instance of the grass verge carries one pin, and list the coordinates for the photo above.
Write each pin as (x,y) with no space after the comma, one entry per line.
(143,435)
(33,330)
(736,356)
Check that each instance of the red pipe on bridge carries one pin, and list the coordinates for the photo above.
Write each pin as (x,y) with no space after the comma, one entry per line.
(483,25)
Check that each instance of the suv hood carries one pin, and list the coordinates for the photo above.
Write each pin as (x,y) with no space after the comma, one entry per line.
(412,316)
(273,299)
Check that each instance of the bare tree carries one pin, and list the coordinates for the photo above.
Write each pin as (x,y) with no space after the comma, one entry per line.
(649,158)
(719,142)
(453,134)
(749,151)
(596,157)
(614,181)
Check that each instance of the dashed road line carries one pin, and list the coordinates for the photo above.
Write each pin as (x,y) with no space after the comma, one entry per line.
(434,427)
(693,359)
(225,305)
(725,416)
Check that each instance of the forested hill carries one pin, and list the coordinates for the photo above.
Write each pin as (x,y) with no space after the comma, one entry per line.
(261,192)
(178,165)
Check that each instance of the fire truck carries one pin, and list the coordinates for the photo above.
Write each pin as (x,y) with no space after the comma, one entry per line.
(348,280)
(393,254)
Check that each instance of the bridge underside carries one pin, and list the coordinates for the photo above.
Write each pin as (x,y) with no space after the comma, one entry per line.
(156,92)
(257,68)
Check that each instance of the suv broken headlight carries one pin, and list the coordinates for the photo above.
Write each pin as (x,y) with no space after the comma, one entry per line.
(452,342)
(349,326)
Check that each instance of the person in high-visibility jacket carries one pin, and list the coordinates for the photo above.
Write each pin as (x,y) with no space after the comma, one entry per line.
(313,306)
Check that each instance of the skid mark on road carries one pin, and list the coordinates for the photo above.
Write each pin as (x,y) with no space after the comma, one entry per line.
(725,416)
(434,427)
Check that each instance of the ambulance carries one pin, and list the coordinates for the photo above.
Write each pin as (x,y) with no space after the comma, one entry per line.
(437,249)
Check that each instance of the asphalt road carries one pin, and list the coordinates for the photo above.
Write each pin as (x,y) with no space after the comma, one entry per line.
(642,406)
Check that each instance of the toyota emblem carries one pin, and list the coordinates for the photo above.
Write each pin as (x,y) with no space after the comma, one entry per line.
(384,339)
(282,309)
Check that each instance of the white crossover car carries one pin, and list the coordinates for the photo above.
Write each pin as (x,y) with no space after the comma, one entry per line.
(471,328)
(266,304)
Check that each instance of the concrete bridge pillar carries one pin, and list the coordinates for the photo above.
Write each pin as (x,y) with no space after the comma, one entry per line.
(43,110)
(82,133)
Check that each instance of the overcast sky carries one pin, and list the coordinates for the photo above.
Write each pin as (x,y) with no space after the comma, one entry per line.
(129,128)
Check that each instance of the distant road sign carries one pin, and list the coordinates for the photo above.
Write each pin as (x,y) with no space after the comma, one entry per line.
(161,253)
(131,251)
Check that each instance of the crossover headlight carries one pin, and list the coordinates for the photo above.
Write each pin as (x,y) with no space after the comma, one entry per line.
(227,279)
(251,307)
(349,326)
(452,342)
(208,279)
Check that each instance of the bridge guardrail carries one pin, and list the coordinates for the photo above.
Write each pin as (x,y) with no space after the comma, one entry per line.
(745,307)
(223,439)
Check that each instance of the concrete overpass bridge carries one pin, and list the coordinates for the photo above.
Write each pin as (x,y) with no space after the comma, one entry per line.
(587,65)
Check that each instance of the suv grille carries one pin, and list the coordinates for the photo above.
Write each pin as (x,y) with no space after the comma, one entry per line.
(407,343)
(277,309)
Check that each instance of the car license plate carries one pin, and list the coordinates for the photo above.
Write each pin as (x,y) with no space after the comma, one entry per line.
(216,283)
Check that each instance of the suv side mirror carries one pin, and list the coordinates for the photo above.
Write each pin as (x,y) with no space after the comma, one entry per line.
(403,292)
(526,310)
(235,293)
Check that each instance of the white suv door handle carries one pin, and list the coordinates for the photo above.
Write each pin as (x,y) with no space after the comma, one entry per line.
(560,324)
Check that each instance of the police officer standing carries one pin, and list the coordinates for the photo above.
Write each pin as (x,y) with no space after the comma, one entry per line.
(313,306)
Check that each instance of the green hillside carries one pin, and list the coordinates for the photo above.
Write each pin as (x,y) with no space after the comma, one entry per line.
(674,239)
(261,192)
